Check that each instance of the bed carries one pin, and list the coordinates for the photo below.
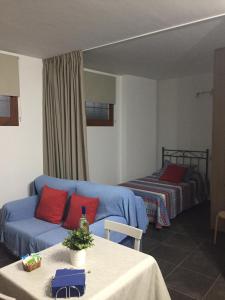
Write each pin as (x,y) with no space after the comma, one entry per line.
(163,199)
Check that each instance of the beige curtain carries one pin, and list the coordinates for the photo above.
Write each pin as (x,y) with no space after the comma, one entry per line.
(64,122)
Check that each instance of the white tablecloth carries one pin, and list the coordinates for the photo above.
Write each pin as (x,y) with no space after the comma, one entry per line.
(114,272)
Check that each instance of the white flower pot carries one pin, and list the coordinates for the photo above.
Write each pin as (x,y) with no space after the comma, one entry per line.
(78,258)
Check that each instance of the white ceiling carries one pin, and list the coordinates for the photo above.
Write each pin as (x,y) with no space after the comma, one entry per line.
(176,53)
(43,28)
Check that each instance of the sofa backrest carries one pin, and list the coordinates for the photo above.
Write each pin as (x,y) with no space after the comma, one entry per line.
(114,200)
(55,183)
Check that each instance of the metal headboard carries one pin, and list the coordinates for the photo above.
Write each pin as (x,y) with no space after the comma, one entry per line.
(199,159)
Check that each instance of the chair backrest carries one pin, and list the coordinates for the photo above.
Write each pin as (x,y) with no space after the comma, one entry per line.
(125,229)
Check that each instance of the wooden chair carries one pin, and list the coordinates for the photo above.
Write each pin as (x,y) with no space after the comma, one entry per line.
(220,215)
(125,229)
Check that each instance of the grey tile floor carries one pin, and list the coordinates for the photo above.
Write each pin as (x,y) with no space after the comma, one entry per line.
(193,268)
(6,257)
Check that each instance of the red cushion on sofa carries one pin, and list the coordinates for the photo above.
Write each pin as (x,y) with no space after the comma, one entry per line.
(74,214)
(52,204)
(174,173)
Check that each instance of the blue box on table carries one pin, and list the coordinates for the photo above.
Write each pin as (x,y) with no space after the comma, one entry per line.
(68,283)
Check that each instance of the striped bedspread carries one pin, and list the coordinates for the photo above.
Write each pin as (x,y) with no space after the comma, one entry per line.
(165,200)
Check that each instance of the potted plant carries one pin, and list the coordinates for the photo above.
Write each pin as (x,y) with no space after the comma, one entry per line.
(77,242)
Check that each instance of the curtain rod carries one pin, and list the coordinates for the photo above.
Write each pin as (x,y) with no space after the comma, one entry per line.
(155,32)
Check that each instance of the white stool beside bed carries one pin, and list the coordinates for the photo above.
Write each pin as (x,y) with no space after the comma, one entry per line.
(220,215)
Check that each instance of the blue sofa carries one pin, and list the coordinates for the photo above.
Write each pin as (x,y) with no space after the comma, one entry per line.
(22,233)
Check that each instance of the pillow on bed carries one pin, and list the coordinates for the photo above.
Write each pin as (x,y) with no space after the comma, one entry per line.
(160,172)
(189,173)
(174,173)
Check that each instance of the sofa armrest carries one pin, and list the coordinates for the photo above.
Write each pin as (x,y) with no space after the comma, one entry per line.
(18,209)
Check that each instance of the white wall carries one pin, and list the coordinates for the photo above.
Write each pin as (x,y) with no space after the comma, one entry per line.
(137,127)
(102,154)
(103,149)
(184,120)
(21,152)
(127,150)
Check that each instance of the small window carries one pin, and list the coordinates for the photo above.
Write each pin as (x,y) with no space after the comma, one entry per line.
(99,114)
(9,111)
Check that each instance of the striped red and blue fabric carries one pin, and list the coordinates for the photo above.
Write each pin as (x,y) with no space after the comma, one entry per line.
(165,200)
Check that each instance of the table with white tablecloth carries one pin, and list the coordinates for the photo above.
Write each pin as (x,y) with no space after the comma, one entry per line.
(113,272)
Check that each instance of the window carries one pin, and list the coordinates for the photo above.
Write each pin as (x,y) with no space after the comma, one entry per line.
(9,90)
(99,114)
(100,95)
(9,111)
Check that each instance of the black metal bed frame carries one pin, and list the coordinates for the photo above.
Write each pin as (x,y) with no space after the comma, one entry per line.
(199,159)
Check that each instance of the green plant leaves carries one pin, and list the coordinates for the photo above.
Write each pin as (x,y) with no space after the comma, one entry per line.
(78,239)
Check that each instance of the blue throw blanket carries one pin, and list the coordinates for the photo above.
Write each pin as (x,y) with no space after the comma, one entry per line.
(20,230)
(116,201)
